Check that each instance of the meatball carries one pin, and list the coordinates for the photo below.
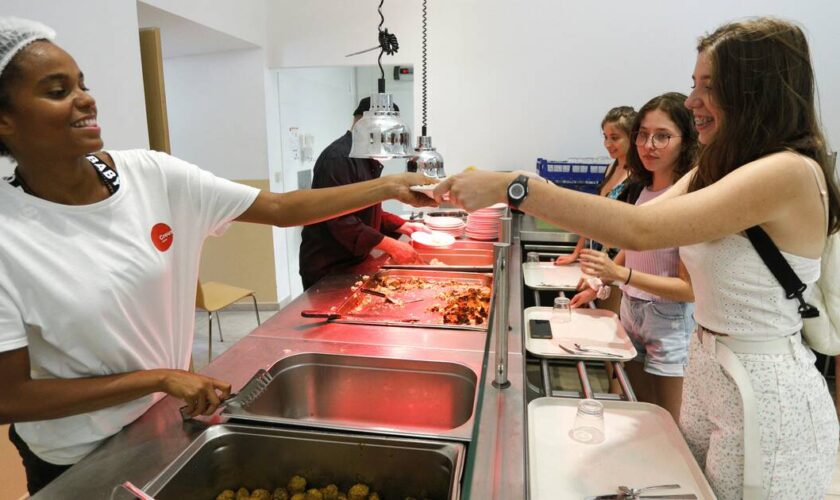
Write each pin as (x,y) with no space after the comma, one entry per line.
(342,496)
(314,494)
(298,496)
(260,494)
(374,496)
(330,492)
(226,495)
(243,494)
(358,492)
(280,494)
(297,484)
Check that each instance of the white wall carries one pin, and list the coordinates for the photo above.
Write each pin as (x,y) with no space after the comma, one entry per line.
(216,106)
(107,50)
(244,19)
(512,81)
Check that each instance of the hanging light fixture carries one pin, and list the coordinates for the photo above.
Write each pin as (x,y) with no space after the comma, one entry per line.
(425,160)
(380,133)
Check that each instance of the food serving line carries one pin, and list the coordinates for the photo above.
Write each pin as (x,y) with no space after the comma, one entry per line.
(420,405)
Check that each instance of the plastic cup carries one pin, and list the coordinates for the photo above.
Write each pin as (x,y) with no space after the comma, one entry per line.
(589,422)
(562,311)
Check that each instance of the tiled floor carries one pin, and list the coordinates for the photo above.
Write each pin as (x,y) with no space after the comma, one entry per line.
(237,324)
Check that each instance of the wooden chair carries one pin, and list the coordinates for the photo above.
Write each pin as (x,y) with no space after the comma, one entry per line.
(213,297)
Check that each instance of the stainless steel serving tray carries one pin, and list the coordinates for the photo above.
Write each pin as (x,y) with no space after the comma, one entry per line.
(360,308)
(231,456)
(369,394)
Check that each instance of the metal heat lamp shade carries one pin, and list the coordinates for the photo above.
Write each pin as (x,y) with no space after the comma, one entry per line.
(380,133)
(426,160)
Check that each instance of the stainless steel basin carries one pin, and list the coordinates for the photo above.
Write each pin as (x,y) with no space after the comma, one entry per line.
(397,396)
(232,456)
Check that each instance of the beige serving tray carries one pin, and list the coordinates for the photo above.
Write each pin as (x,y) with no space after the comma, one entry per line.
(591,328)
(547,276)
(642,447)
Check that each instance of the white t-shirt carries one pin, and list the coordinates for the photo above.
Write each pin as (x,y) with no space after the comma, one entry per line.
(109,287)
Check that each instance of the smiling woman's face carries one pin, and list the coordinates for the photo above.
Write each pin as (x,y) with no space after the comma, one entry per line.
(50,112)
(616,140)
(707,116)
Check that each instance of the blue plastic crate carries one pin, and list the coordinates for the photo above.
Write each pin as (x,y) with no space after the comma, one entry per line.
(579,174)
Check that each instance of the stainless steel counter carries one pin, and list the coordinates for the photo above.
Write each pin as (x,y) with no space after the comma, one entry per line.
(495,466)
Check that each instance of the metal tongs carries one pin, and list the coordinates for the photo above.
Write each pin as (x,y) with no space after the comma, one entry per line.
(252,389)
(186,416)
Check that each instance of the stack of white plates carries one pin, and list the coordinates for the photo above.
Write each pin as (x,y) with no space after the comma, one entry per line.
(483,224)
(449,225)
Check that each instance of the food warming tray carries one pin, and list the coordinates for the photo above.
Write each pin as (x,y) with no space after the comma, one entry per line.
(231,456)
(405,397)
(365,309)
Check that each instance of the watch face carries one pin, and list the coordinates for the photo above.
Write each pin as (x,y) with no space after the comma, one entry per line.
(516,191)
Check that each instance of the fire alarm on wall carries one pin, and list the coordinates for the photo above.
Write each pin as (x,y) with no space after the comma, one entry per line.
(404,73)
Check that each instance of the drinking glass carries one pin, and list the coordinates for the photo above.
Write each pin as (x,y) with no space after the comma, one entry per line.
(589,422)
(562,311)
(532,257)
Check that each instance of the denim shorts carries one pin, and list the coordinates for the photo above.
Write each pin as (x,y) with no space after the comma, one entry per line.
(660,331)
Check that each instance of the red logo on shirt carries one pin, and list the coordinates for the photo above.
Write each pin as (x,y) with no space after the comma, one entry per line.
(162,236)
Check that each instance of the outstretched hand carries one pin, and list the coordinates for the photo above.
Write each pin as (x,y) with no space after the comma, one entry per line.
(565,260)
(402,183)
(474,189)
(583,298)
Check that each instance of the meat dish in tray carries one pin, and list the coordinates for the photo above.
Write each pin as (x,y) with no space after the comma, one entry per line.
(422,298)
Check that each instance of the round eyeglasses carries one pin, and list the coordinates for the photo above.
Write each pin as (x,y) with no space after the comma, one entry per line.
(659,140)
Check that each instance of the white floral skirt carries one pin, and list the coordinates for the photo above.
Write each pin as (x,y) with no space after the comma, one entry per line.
(797,420)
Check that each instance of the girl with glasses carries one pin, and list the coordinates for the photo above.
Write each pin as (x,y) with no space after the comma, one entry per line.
(756,412)
(656,309)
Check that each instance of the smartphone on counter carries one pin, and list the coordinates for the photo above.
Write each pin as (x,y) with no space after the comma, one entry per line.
(540,328)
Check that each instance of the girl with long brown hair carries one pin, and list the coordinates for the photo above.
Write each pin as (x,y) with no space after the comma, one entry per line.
(756,412)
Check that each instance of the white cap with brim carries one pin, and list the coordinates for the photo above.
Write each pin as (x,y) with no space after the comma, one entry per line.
(16,33)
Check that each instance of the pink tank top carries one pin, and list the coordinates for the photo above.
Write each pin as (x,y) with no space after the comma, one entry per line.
(661,262)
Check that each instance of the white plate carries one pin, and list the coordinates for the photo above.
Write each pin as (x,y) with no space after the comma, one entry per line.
(443,222)
(426,189)
(434,239)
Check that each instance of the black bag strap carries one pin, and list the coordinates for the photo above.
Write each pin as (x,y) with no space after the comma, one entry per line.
(779,266)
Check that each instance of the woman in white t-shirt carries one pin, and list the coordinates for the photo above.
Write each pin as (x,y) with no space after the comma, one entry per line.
(99,260)
(756,412)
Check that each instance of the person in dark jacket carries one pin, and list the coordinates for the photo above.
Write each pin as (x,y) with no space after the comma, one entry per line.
(340,243)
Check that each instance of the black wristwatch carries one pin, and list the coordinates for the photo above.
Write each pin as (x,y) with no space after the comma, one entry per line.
(517,191)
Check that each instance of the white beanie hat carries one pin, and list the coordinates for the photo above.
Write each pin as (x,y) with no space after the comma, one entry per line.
(16,33)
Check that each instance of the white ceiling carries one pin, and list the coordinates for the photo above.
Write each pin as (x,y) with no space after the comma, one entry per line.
(182,37)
